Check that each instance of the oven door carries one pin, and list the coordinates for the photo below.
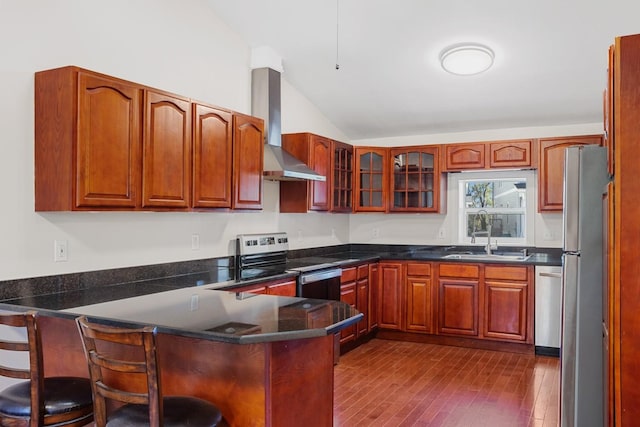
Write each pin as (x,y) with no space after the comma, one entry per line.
(320,284)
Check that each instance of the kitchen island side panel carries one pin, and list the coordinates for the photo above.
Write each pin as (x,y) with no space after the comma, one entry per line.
(265,384)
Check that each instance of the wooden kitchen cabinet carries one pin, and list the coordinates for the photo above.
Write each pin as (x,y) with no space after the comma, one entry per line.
(342,179)
(458,299)
(551,169)
(466,156)
(507,303)
(511,154)
(420,296)
(282,287)
(371,179)
(303,196)
(374,289)
(166,155)
(212,157)
(102,143)
(248,158)
(415,184)
(354,290)
(88,141)
(390,295)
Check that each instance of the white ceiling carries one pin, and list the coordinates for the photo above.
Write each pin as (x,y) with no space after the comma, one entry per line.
(550,59)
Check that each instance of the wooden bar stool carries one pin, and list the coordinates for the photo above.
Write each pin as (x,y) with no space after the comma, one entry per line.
(40,401)
(112,352)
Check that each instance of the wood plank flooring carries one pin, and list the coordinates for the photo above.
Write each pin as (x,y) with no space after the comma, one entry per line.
(396,383)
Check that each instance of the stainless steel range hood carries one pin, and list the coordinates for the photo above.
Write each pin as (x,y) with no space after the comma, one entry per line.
(265,104)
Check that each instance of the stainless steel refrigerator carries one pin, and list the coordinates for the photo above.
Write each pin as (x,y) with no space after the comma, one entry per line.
(581,388)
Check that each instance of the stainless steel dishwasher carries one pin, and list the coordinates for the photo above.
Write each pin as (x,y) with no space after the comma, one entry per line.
(548,310)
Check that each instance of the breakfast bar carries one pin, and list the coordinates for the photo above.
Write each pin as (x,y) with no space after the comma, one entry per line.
(263,360)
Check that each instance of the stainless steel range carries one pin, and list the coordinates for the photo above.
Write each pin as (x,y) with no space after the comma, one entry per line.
(266,255)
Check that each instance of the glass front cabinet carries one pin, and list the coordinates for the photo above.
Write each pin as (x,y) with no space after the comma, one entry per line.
(414,179)
(371,179)
(342,164)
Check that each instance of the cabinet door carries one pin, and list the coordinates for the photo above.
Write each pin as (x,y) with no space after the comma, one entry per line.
(551,169)
(419,305)
(390,296)
(374,288)
(414,179)
(108,143)
(362,304)
(511,154)
(320,161)
(348,295)
(285,289)
(248,153)
(464,156)
(212,157)
(458,307)
(166,158)
(371,179)
(505,313)
(342,180)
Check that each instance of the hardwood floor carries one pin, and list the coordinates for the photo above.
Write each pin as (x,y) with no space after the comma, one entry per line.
(396,383)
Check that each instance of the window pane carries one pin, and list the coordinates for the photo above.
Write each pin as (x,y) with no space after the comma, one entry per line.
(495,194)
(502,225)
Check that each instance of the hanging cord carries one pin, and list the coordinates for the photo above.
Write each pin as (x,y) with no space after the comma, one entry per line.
(337,33)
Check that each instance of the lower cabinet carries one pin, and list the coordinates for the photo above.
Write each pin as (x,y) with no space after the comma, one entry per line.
(458,290)
(284,287)
(467,300)
(419,298)
(354,290)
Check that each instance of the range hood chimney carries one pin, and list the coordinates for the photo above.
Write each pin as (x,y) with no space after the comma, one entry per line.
(279,165)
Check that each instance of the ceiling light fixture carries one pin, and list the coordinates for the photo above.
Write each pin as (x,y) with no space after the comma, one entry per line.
(466,59)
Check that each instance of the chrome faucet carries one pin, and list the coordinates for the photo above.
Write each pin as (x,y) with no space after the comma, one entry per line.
(474,233)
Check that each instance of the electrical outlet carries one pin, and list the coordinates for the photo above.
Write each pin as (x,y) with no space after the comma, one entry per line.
(60,251)
(376,233)
(195,242)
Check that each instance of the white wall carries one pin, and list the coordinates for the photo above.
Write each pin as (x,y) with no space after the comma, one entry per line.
(180,47)
(184,48)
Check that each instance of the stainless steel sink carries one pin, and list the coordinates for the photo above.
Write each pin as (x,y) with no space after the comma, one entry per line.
(488,257)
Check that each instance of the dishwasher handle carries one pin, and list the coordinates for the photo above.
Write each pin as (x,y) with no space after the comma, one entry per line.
(554,275)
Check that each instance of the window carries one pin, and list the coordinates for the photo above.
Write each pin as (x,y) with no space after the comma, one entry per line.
(499,203)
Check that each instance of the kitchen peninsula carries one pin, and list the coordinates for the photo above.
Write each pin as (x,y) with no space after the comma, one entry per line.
(253,356)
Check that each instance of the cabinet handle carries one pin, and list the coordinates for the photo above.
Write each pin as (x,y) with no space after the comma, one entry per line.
(555,275)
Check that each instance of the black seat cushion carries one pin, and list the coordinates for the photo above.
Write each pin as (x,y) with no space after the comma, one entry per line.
(178,411)
(61,394)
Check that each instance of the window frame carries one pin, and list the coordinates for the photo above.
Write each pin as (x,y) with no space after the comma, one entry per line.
(457,182)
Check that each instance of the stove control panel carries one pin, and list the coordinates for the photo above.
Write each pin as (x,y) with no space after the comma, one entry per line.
(249,244)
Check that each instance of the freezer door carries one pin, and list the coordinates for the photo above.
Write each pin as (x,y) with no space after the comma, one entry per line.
(571,199)
(568,350)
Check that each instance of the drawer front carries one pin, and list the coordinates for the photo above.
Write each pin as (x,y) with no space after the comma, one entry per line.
(348,275)
(459,270)
(506,272)
(418,269)
(363,271)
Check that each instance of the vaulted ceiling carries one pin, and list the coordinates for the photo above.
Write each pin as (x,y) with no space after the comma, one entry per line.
(549,69)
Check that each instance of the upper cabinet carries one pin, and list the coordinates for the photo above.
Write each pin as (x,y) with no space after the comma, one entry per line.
(166,152)
(415,179)
(489,155)
(248,158)
(459,157)
(102,143)
(303,196)
(551,169)
(342,179)
(212,157)
(371,165)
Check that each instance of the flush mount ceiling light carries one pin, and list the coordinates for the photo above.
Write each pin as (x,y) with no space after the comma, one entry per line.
(466,59)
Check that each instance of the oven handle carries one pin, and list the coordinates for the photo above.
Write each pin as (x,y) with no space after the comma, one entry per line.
(316,276)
